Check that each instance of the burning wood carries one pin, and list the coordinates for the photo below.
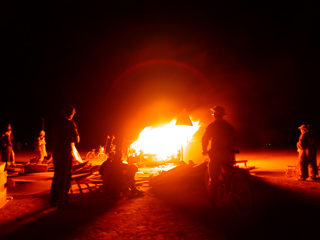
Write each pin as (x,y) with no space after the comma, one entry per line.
(163,143)
(183,174)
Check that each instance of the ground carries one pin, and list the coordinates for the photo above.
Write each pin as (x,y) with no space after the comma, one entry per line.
(284,207)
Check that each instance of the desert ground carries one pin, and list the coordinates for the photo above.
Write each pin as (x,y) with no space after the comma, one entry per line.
(283,208)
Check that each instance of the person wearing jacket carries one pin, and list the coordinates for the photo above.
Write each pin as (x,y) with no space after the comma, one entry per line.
(223,140)
(307,149)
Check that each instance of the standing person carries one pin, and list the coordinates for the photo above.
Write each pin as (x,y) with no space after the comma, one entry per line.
(223,140)
(7,144)
(41,146)
(307,149)
(65,136)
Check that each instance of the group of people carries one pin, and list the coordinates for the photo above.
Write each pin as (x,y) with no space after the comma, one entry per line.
(223,144)
(118,177)
(7,141)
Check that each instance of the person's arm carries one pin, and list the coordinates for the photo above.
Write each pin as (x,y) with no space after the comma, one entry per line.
(77,139)
(205,142)
(302,144)
(75,135)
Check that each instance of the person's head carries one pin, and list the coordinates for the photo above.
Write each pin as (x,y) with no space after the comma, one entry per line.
(9,129)
(303,128)
(218,112)
(68,111)
(42,133)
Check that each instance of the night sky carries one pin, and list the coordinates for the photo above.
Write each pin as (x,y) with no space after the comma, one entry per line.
(125,66)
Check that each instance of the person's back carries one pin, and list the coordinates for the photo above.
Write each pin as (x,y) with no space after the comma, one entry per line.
(65,136)
(65,133)
(223,140)
(311,145)
(112,179)
(222,136)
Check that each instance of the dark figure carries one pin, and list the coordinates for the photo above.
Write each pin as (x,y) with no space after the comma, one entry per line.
(106,163)
(119,178)
(65,136)
(40,146)
(307,149)
(223,140)
(7,144)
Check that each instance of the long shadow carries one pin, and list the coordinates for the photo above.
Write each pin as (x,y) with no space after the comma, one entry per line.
(55,224)
(278,212)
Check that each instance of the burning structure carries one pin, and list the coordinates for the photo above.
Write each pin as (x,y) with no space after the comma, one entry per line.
(164,143)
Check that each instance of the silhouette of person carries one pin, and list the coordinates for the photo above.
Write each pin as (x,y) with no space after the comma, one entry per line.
(106,163)
(64,137)
(307,149)
(223,140)
(119,178)
(41,146)
(7,141)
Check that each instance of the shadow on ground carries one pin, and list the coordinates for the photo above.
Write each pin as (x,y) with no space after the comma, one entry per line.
(279,212)
(49,223)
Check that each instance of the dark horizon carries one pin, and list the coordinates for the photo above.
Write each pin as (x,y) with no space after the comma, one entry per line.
(125,67)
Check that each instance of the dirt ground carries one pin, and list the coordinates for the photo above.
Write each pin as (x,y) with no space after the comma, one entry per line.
(284,208)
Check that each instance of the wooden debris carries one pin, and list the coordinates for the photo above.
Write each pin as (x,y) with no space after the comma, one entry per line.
(183,174)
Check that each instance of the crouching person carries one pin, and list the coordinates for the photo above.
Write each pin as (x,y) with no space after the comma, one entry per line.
(118,177)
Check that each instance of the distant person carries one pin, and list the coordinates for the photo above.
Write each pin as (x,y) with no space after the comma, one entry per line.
(307,149)
(40,146)
(223,141)
(7,141)
(65,136)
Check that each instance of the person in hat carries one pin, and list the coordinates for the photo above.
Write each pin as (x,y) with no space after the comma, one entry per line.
(65,136)
(223,141)
(41,146)
(7,141)
(307,149)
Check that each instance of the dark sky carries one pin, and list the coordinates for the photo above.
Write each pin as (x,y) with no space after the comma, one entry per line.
(125,66)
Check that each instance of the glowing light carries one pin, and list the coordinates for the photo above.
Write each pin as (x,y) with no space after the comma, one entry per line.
(164,141)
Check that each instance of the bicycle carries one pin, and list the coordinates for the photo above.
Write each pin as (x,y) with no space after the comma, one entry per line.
(101,156)
(234,182)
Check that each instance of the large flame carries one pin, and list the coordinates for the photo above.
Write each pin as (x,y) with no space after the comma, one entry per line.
(166,140)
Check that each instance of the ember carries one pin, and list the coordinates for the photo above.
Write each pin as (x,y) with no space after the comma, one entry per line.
(164,143)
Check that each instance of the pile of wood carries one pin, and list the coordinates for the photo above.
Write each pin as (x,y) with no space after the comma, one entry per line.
(183,174)
(189,174)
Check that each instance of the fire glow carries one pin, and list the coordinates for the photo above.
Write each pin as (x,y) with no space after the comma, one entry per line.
(165,141)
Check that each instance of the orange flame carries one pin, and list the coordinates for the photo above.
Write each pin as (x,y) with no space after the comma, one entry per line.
(166,140)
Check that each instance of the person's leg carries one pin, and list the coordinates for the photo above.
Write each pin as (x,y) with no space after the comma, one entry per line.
(65,181)
(303,169)
(12,158)
(214,173)
(314,168)
(54,192)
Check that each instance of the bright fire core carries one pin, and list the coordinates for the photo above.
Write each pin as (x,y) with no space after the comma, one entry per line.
(166,140)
